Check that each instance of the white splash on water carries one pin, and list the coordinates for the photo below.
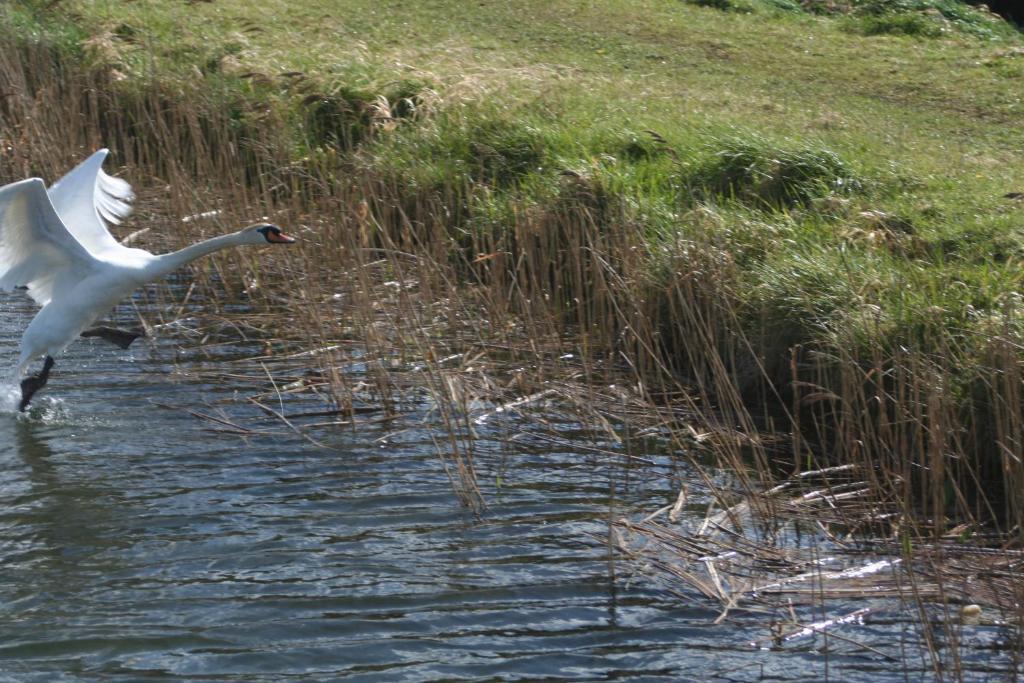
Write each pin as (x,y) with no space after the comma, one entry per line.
(10,396)
(42,408)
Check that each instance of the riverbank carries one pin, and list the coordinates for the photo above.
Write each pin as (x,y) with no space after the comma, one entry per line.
(821,242)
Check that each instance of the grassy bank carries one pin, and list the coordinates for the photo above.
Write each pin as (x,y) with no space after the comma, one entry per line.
(798,216)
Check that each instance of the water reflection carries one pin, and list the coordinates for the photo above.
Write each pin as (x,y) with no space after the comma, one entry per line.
(32,450)
(54,529)
(171,551)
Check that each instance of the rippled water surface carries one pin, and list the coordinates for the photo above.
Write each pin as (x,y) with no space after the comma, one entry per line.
(136,544)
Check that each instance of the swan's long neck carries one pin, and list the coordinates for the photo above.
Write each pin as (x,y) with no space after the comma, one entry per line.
(165,264)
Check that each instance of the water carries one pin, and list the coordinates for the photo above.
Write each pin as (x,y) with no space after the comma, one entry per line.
(136,544)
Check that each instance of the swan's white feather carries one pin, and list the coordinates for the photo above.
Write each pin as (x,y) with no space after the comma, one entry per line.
(56,243)
(36,249)
(87,199)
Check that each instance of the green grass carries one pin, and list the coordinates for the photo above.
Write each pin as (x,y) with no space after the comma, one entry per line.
(926,18)
(766,106)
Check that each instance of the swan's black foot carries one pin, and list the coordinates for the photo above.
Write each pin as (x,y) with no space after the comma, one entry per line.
(122,338)
(30,385)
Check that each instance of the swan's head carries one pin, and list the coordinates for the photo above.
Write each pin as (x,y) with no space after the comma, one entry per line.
(269,234)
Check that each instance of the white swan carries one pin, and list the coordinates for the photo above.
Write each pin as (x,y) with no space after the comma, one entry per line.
(56,244)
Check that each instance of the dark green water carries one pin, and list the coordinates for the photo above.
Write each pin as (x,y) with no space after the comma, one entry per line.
(136,545)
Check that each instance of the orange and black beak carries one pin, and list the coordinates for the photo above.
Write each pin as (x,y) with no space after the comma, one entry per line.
(279,237)
(273,234)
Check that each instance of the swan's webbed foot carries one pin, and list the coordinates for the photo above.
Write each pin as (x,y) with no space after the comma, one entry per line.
(30,385)
(123,338)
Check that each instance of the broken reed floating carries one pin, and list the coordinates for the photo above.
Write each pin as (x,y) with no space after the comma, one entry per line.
(749,564)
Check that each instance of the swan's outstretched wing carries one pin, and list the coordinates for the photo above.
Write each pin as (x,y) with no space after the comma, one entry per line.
(86,197)
(36,249)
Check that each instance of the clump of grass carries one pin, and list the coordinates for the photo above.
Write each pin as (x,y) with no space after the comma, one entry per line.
(920,18)
(345,117)
(923,18)
(503,152)
(27,20)
(893,23)
(635,146)
(753,170)
(725,5)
